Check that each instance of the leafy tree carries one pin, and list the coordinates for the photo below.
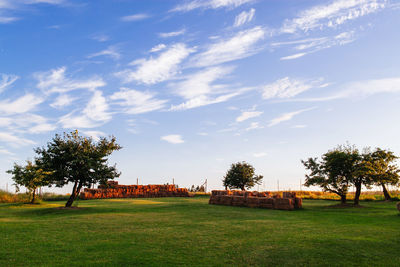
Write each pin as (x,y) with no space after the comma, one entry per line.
(78,160)
(30,176)
(336,171)
(383,170)
(241,176)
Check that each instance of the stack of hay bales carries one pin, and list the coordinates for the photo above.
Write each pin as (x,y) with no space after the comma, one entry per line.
(113,190)
(255,199)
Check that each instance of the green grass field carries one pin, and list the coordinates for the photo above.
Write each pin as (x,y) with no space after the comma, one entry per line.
(189,232)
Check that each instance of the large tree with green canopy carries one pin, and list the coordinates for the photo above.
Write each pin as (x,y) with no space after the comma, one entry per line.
(79,160)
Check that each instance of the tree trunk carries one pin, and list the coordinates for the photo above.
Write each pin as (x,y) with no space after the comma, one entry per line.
(73,195)
(386,192)
(343,199)
(358,193)
(33,196)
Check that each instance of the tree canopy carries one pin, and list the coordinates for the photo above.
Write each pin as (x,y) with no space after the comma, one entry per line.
(335,172)
(30,176)
(72,158)
(241,176)
(344,166)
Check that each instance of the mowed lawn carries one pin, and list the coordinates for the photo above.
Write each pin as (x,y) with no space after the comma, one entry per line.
(189,232)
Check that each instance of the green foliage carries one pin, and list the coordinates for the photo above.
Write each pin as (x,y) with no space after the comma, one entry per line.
(30,176)
(345,166)
(241,176)
(78,160)
(335,172)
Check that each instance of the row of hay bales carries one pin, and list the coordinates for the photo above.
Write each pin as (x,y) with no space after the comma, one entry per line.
(255,199)
(133,191)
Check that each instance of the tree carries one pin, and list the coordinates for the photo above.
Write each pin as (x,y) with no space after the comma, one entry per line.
(30,176)
(78,160)
(335,172)
(241,176)
(383,171)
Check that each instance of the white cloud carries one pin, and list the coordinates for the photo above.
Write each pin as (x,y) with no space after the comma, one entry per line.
(21,105)
(100,37)
(62,101)
(6,80)
(137,102)
(157,48)
(260,155)
(209,4)
(286,117)
(360,89)
(331,15)
(14,6)
(171,34)
(203,100)
(154,70)
(316,44)
(97,108)
(42,128)
(241,45)
(15,140)
(254,126)
(294,56)
(55,81)
(111,51)
(248,115)
(287,87)
(6,152)
(173,139)
(244,17)
(135,17)
(199,89)
(95,114)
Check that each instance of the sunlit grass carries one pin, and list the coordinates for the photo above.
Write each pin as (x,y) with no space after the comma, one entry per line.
(189,232)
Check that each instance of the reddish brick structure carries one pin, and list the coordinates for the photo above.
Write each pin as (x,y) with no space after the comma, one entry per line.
(114,190)
(255,199)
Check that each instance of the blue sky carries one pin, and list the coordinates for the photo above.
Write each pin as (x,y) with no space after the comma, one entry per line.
(190,87)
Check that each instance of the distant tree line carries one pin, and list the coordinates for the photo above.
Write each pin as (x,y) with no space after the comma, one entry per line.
(346,166)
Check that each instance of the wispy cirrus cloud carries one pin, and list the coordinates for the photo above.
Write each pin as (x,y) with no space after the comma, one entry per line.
(56,81)
(199,89)
(312,45)
(244,17)
(9,8)
(248,115)
(241,45)
(288,87)
(20,105)
(173,139)
(332,14)
(157,48)
(360,89)
(6,80)
(137,102)
(63,100)
(135,17)
(95,113)
(171,34)
(14,140)
(155,70)
(287,116)
(209,4)
(111,51)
